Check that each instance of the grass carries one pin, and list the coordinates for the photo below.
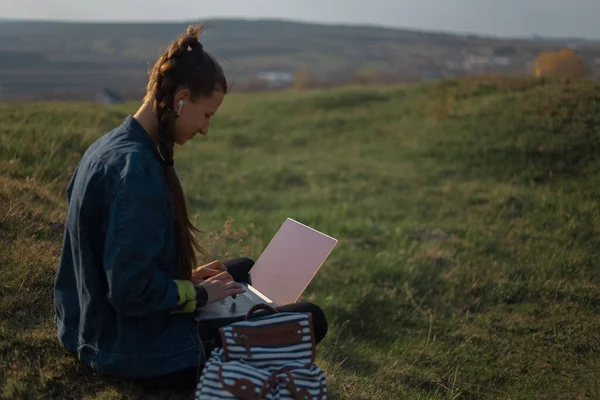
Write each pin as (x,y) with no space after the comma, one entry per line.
(467,213)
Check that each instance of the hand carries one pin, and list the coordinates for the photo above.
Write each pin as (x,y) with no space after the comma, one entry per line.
(206,271)
(220,286)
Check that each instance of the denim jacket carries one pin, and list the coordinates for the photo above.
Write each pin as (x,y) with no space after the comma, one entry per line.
(118,302)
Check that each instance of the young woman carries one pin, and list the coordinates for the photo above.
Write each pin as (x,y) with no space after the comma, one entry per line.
(127,283)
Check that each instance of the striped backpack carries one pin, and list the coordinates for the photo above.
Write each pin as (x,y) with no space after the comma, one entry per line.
(270,357)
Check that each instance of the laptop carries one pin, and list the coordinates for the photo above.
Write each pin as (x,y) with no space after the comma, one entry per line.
(281,273)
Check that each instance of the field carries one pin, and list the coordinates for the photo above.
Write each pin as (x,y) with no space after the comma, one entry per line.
(467,212)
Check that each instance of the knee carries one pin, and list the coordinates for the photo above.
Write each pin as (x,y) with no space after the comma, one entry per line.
(241,261)
(239,268)
(247,261)
(246,265)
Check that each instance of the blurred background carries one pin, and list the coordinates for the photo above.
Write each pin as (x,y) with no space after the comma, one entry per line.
(66,49)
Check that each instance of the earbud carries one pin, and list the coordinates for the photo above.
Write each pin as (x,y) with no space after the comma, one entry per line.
(180,107)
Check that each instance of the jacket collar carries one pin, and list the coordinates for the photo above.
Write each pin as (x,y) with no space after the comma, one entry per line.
(132,125)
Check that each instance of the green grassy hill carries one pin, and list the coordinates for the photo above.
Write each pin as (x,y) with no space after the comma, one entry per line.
(467,212)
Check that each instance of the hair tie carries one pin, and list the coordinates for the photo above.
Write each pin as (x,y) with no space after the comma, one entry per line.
(166,163)
(194,45)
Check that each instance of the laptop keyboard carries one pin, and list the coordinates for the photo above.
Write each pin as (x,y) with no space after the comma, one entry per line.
(242,303)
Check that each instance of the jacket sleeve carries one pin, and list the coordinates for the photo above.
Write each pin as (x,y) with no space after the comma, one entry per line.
(136,230)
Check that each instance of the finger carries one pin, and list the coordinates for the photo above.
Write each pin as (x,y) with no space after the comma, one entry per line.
(235,292)
(208,272)
(203,276)
(205,273)
(212,264)
(222,267)
(203,267)
(232,284)
(223,276)
(218,265)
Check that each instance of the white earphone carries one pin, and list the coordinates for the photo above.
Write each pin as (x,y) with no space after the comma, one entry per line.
(180,107)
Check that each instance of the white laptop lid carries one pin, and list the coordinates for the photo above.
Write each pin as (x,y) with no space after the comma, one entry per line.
(290,261)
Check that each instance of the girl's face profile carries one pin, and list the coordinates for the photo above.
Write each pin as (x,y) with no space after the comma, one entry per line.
(195,115)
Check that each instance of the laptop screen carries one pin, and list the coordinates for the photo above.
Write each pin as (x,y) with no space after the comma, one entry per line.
(290,261)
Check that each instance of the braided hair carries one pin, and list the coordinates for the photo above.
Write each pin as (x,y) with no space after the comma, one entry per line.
(184,64)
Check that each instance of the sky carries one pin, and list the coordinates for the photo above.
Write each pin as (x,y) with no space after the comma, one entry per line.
(553,18)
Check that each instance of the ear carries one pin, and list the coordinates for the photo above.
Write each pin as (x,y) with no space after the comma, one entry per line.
(183,94)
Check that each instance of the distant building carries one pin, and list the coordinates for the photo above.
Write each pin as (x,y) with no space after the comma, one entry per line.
(478,62)
(505,51)
(475,62)
(276,79)
(501,61)
(109,97)
(452,65)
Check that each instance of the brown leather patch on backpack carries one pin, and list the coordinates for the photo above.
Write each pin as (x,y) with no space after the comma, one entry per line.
(278,335)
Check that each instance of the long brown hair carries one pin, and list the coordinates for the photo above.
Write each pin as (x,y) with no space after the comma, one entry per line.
(184,64)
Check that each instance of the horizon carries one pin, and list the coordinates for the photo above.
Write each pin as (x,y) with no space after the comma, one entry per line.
(294,21)
(509,19)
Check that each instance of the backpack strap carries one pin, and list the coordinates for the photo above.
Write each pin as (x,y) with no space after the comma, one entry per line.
(260,306)
(242,388)
(246,390)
